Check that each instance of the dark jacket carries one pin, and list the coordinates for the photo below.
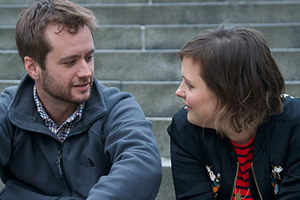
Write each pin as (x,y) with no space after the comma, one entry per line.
(110,154)
(275,171)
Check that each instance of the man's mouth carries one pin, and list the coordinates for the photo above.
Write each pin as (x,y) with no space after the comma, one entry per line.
(82,85)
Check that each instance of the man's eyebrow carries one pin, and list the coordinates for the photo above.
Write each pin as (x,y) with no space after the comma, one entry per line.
(91,51)
(68,58)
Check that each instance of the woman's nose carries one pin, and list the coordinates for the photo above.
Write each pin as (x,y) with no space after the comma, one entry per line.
(180,92)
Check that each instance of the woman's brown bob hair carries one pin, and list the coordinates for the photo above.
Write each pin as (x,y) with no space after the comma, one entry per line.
(237,66)
(30,37)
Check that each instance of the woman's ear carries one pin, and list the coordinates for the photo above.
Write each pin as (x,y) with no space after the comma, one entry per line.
(32,67)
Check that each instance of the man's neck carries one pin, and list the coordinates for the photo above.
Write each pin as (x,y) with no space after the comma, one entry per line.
(59,113)
(57,110)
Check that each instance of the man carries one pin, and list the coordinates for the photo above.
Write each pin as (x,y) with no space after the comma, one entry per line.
(63,135)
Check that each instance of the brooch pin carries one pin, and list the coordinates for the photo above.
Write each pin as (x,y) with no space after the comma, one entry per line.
(276,178)
(215,180)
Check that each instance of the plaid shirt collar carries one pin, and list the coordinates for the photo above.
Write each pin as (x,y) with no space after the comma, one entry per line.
(63,130)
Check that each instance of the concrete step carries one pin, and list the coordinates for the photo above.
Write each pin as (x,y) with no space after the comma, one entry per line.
(124,2)
(182,13)
(159,128)
(157,98)
(78,1)
(160,107)
(204,1)
(148,65)
(166,191)
(152,37)
(278,35)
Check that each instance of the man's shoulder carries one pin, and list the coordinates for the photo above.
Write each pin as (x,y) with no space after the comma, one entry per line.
(8,93)
(6,98)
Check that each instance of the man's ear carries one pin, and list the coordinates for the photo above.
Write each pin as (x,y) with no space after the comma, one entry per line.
(32,67)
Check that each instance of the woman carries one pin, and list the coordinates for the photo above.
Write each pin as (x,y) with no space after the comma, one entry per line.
(238,135)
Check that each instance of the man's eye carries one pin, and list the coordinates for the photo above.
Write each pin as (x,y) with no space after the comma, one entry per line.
(71,62)
(89,58)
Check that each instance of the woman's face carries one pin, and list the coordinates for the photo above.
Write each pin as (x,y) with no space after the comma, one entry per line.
(200,102)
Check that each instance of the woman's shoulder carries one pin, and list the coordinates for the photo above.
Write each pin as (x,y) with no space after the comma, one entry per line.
(180,118)
(179,123)
(194,140)
(182,130)
(291,110)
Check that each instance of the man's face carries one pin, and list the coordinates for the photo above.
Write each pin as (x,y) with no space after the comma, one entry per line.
(68,76)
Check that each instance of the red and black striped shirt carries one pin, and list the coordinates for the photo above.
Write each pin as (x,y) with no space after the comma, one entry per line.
(244,155)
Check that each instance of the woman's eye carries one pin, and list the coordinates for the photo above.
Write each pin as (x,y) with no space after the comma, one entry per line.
(190,86)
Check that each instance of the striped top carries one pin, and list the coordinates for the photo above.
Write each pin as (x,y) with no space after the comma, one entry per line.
(244,155)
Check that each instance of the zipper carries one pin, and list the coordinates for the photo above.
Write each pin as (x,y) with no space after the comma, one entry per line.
(252,169)
(58,163)
(236,174)
(61,170)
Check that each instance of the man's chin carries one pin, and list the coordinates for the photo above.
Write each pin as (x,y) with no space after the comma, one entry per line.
(82,97)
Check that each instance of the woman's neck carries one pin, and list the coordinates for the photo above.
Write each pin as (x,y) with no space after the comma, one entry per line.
(243,137)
